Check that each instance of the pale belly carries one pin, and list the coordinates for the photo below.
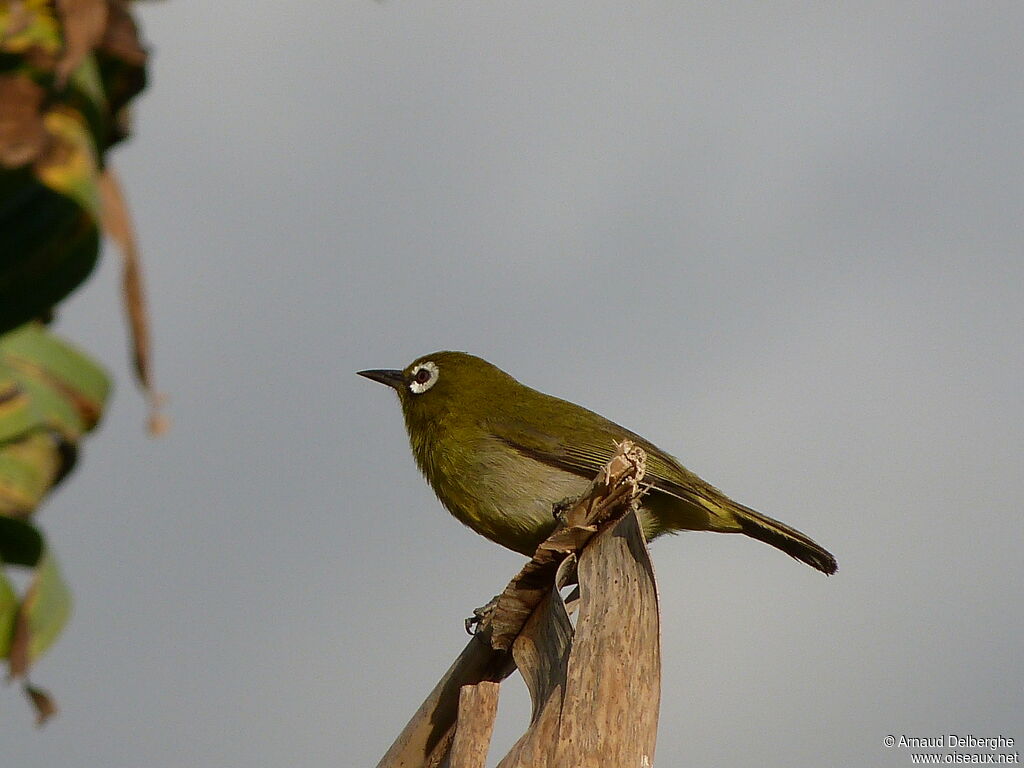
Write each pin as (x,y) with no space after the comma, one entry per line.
(511,502)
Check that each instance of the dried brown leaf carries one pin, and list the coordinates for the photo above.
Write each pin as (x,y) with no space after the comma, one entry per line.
(43,703)
(121,37)
(478,705)
(616,487)
(122,59)
(84,23)
(18,658)
(18,19)
(595,697)
(117,224)
(22,134)
(543,631)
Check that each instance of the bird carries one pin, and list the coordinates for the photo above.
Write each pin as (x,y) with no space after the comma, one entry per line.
(501,456)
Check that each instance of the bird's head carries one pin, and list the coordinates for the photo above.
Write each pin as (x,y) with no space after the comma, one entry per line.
(443,383)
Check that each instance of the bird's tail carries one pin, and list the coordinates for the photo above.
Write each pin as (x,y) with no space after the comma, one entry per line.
(781,536)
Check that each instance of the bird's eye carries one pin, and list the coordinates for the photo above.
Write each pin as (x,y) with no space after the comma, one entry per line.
(424,377)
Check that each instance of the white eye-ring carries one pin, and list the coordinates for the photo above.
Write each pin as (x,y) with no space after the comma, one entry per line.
(424,376)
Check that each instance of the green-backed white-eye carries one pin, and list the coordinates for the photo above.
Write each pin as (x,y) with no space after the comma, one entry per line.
(500,455)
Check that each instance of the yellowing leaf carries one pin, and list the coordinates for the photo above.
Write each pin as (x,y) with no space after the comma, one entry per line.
(44,612)
(29,467)
(27,25)
(70,166)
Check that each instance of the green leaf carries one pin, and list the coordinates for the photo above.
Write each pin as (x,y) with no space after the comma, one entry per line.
(46,608)
(53,408)
(64,86)
(47,359)
(49,246)
(49,193)
(16,414)
(50,394)
(8,613)
(20,542)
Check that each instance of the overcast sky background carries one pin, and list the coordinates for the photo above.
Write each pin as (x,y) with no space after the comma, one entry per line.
(783,241)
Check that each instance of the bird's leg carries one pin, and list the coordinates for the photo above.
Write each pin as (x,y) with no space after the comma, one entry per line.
(474,622)
(560,509)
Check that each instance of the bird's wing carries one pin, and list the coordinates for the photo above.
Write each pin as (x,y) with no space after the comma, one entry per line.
(587,454)
(590,451)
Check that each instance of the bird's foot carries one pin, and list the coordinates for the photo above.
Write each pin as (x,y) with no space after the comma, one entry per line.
(480,615)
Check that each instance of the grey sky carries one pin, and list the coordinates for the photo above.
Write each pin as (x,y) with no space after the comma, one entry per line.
(783,241)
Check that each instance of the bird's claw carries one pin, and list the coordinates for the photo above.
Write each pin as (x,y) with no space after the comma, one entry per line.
(480,615)
(560,509)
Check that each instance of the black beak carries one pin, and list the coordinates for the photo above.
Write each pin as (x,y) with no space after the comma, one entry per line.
(393,379)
